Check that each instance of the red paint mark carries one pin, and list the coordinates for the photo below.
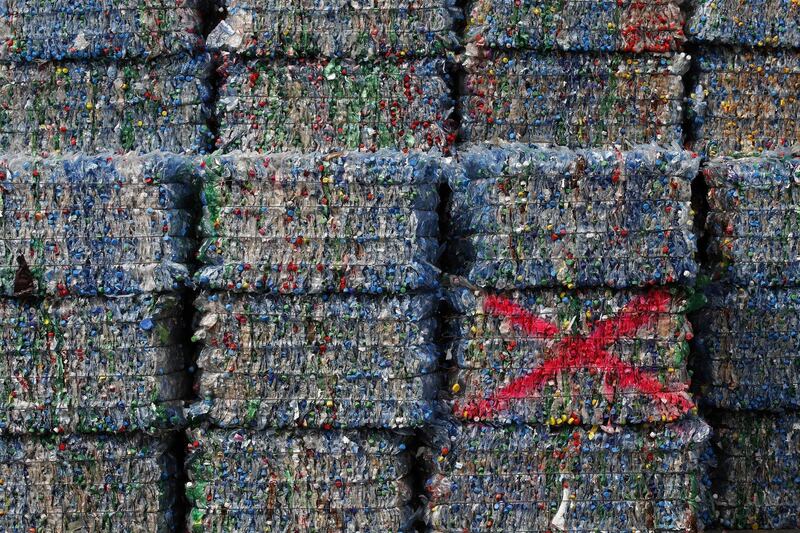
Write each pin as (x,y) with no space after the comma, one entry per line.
(574,352)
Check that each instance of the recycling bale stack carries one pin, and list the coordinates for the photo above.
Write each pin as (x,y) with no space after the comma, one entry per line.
(576,74)
(308,76)
(317,328)
(100,102)
(744,115)
(93,378)
(747,341)
(568,344)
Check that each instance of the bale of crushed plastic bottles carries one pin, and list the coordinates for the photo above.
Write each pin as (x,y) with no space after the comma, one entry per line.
(597,26)
(106,106)
(67,483)
(530,216)
(343,222)
(298,480)
(751,223)
(575,100)
(744,102)
(530,478)
(89,225)
(92,365)
(334,104)
(756,484)
(317,361)
(744,23)
(568,357)
(342,28)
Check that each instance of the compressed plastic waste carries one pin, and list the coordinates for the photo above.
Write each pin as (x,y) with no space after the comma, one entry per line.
(324,105)
(102,106)
(746,23)
(62,484)
(298,480)
(748,349)
(569,358)
(88,225)
(528,216)
(751,222)
(33,30)
(91,365)
(601,25)
(575,100)
(529,478)
(745,102)
(336,361)
(757,482)
(342,222)
(407,28)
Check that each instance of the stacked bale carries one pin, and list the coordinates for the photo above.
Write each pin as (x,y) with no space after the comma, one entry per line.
(96,244)
(339,76)
(577,74)
(568,390)
(317,326)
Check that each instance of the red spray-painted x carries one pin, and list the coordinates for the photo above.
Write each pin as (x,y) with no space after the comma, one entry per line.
(575,352)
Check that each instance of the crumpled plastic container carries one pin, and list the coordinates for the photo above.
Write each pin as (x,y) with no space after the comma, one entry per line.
(524,478)
(583,25)
(747,23)
(63,484)
(88,225)
(103,106)
(316,361)
(343,222)
(751,223)
(324,105)
(92,365)
(568,358)
(748,350)
(745,102)
(341,28)
(575,100)
(529,216)
(298,480)
(33,30)
(757,483)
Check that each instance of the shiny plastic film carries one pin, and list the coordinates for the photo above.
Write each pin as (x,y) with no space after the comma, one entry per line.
(36,30)
(529,216)
(757,483)
(88,225)
(751,223)
(294,223)
(337,361)
(575,100)
(748,348)
(92,365)
(334,104)
(342,28)
(745,23)
(301,480)
(533,479)
(745,102)
(63,484)
(581,26)
(101,106)
(568,358)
